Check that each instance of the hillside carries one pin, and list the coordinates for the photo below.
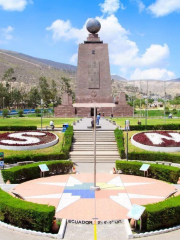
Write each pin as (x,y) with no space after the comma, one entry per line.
(29,69)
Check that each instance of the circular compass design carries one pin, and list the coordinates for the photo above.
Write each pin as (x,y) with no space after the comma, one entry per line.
(73,199)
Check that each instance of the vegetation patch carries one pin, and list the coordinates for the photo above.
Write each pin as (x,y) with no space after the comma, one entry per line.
(28,172)
(17,128)
(155,127)
(51,153)
(120,142)
(24,214)
(161,172)
(67,141)
(161,215)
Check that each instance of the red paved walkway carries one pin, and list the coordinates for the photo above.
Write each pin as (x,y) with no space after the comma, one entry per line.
(73,199)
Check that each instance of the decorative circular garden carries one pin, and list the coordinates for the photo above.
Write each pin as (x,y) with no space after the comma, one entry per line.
(157,141)
(27,140)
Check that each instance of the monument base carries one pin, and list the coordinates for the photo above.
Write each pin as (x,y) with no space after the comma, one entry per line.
(95,188)
(64,111)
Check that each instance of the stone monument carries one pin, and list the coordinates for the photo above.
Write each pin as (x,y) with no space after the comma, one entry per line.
(93,81)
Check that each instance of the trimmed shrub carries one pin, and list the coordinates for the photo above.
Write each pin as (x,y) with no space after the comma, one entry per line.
(24,214)
(155,127)
(17,128)
(161,172)
(120,142)
(32,171)
(20,112)
(162,214)
(154,156)
(67,141)
(35,158)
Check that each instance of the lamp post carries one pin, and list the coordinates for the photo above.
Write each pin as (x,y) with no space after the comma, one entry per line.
(95,188)
(133,108)
(127,124)
(146,101)
(41,112)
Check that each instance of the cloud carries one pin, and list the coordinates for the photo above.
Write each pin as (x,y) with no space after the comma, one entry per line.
(124,52)
(6,34)
(63,30)
(164,7)
(74,58)
(14,5)
(111,6)
(140,5)
(153,73)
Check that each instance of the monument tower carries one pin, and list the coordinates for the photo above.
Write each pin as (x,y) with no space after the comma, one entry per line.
(93,80)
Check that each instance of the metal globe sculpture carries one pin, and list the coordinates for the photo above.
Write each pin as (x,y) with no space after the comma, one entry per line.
(93,26)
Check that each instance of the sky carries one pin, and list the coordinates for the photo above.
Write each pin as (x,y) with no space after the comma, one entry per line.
(143,35)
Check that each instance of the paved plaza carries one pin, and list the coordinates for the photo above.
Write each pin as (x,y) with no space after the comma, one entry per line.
(86,122)
(73,198)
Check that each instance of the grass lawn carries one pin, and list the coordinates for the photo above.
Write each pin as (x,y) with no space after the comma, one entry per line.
(133,121)
(132,148)
(58,122)
(54,149)
(156,113)
(36,121)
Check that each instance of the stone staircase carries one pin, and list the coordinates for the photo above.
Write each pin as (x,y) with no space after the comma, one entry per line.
(82,149)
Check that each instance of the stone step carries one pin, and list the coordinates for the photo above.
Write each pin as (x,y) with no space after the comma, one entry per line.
(92,134)
(92,140)
(97,143)
(91,153)
(91,149)
(98,159)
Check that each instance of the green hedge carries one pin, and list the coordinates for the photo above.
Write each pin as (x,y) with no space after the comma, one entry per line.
(161,172)
(154,156)
(24,214)
(35,158)
(155,127)
(17,128)
(161,215)
(67,141)
(31,171)
(120,142)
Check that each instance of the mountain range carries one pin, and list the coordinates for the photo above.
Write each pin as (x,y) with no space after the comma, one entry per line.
(29,69)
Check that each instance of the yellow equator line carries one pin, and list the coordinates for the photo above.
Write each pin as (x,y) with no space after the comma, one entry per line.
(95,230)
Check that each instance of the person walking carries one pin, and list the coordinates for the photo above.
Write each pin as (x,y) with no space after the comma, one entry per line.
(52,124)
(98,118)
(92,122)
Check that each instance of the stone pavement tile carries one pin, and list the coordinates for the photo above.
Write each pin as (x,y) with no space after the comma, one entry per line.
(111,232)
(105,125)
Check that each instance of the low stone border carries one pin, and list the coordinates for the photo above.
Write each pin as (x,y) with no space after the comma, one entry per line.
(34,147)
(130,235)
(60,234)
(153,148)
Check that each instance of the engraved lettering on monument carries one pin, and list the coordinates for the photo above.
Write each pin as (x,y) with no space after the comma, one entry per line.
(93,75)
(94,94)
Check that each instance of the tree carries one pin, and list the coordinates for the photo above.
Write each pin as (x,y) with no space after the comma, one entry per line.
(20,113)
(34,97)
(16,97)
(66,87)
(45,92)
(4,96)
(8,77)
(53,90)
(5,113)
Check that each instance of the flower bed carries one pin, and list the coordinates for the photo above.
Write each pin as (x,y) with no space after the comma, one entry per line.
(28,140)
(163,141)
